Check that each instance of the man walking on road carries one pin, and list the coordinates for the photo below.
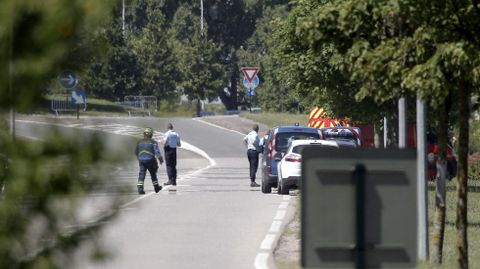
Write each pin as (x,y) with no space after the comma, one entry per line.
(252,141)
(170,141)
(147,153)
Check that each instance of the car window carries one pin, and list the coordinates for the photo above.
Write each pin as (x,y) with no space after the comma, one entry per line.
(281,144)
(338,135)
(298,149)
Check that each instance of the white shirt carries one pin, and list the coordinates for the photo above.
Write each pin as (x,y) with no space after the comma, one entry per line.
(252,140)
(171,139)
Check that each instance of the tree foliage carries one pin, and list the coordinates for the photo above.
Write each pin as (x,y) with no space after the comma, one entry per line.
(42,182)
(199,71)
(397,48)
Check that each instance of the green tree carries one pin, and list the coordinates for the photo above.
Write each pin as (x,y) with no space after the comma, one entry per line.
(230,24)
(154,53)
(429,48)
(42,181)
(117,71)
(310,75)
(200,73)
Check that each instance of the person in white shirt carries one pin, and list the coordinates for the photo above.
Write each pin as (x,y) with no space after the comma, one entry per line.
(170,141)
(252,142)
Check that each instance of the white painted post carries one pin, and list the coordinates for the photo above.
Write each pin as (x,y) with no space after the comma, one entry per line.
(402,130)
(423,251)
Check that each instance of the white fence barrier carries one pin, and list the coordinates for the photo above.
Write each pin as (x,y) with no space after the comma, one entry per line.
(140,105)
(62,103)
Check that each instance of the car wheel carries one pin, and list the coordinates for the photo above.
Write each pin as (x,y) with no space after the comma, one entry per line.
(266,187)
(283,188)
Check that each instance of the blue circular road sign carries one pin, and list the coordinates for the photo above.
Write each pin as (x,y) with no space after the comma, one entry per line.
(251,84)
(68,79)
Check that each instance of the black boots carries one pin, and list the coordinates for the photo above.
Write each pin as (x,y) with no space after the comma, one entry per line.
(170,182)
(156,187)
(254,184)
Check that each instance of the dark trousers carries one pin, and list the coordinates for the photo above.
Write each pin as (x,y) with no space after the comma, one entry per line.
(253,160)
(171,163)
(152,167)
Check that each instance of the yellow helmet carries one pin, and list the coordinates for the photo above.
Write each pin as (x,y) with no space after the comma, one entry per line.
(148,132)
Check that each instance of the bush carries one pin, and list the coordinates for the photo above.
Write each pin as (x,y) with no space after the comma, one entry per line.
(474,170)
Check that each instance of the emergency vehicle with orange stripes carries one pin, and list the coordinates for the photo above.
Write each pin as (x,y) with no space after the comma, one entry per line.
(340,129)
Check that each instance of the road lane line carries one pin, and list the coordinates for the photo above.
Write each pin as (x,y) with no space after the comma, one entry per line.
(280,215)
(283,205)
(267,242)
(137,200)
(275,227)
(218,126)
(261,261)
(287,197)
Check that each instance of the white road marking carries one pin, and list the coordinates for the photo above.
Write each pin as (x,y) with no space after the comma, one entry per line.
(137,200)
(283,205)
(280,215)
(220,127)
(267,242)
(275,227)
(287,197)
(261,261)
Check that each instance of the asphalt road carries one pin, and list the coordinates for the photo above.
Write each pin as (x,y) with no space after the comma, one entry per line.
(212,219)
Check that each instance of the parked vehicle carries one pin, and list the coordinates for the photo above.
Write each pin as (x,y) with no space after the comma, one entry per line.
(290,167)
(346,136)
(276,143)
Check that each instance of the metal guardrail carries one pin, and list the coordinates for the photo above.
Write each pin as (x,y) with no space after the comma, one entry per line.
(62,103)
(140,105)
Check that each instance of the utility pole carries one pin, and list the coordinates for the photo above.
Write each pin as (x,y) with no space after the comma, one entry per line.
(201,17)
(10,82)
(123,18)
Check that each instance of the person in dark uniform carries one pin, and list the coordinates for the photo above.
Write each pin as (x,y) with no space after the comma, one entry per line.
(252,142)
(147,152)
(170,141)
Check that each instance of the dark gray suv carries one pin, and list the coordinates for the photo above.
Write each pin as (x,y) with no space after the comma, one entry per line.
(275,144)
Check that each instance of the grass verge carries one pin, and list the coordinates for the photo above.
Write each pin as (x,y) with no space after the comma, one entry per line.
(284,254)
(275,119)
(449,254)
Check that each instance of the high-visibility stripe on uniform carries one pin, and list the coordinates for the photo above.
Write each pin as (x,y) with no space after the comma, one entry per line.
(145,151)
(140,184)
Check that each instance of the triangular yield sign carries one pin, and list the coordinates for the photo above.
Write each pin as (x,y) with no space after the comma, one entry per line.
(250,72)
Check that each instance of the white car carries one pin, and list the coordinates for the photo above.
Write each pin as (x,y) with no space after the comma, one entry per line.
(290,167)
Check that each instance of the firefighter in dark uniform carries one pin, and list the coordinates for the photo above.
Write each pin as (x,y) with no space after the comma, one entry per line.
(147,153)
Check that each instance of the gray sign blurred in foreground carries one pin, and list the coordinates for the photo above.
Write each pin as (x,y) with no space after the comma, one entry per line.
(359,208)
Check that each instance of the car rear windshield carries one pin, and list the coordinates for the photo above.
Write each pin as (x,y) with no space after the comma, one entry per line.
(338,135)
(298,149)
(282,139)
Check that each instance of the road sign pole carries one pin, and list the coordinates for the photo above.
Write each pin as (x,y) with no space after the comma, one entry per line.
(359,179)
(78,112)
